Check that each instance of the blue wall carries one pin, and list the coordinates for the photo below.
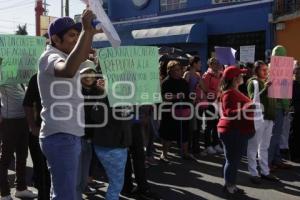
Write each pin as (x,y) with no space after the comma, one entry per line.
(236,20)
(125,9)
(244,19)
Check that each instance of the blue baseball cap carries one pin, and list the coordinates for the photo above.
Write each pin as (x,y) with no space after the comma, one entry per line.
(62,24)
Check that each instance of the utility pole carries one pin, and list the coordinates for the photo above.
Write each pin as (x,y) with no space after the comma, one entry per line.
(45,7)
(62,8)
(67,7)
(39,10)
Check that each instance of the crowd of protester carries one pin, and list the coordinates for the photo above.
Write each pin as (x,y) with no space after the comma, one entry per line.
(63,150)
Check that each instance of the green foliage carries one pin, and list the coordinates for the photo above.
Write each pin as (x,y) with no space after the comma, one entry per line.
(22,30)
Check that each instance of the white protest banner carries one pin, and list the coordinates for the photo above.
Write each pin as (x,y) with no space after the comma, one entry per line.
(132,75)
(19,57)
(247,54)
(106,25)
(281,75)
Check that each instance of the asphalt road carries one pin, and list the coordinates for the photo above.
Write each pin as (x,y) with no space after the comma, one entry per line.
(202,179)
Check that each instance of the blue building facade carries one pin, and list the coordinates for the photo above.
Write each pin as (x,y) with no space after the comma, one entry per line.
(195,26)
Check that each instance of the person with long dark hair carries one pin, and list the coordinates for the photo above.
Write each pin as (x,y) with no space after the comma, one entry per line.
(194,79)
(282,109)
(235,126)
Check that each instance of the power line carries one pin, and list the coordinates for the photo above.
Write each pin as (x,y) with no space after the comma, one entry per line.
(6,27)
(2,14)
(1,32)
(17,23)
(4,20)
(14,3)
(11,1)
(16,6)
(20,4)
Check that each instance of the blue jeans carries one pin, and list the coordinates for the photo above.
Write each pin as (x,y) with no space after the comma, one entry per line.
(113,161)
(233,143)
(84,167)
(274,148)
(62,151)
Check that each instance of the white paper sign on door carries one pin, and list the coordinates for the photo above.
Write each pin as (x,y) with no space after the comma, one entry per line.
(247,54)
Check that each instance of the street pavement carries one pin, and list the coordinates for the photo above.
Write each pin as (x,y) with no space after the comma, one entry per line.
(202,179)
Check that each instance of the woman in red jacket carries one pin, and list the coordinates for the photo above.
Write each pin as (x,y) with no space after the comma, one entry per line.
(235,126)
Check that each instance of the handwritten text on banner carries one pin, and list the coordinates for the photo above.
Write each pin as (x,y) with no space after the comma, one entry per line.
(132,74)
(281,75)
(19,57)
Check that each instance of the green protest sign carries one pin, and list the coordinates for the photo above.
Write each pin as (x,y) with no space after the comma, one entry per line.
(19,57)
(132,75)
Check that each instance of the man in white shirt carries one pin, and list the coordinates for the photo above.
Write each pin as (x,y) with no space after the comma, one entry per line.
(59,88)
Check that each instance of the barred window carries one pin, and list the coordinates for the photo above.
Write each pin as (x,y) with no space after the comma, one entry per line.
(168,5)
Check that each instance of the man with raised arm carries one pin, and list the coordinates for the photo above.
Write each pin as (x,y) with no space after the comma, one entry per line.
(62,113)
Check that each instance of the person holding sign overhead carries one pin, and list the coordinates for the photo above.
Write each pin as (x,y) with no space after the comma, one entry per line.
(282,108)
(60,88)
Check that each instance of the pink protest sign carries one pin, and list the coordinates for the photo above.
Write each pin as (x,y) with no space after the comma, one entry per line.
(281,75)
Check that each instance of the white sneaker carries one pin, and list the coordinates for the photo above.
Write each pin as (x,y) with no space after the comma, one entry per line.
(7,198)
(164,158)
(210,150)
(26,194)
(219,149)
